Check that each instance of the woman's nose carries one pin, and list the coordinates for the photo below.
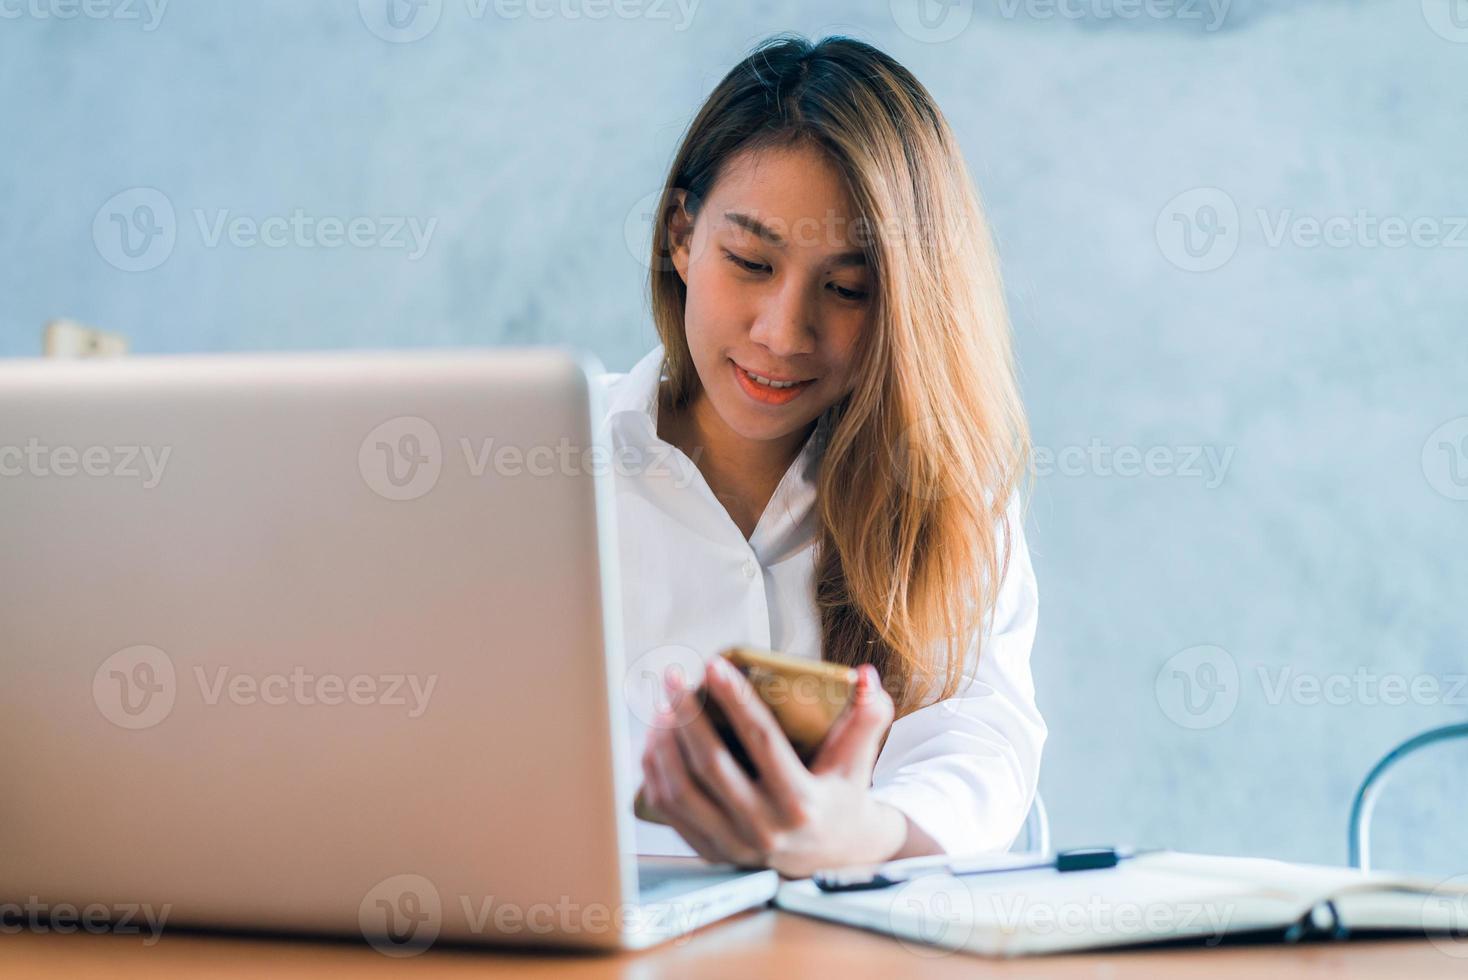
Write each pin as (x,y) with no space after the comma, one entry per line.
(786,323)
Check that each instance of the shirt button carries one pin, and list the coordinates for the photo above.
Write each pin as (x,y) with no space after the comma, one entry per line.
(748,568)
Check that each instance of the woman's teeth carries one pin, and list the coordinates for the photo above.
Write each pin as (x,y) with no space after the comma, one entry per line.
(772,384)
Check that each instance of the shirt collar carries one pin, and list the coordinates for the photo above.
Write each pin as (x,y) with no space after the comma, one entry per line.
(633,400)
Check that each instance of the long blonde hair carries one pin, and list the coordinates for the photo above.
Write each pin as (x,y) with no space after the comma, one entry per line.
(922,458)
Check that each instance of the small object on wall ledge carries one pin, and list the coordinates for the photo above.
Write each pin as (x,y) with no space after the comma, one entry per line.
(67,338)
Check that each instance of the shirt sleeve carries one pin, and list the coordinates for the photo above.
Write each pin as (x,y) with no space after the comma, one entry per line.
(965,769)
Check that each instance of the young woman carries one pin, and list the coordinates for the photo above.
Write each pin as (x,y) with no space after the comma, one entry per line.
(835,376)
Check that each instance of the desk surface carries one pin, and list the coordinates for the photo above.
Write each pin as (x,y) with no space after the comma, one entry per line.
(760,943)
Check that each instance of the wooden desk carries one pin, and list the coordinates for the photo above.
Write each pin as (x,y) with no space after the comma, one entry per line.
(762,943)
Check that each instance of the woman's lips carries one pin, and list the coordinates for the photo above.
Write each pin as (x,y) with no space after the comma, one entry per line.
(764,394)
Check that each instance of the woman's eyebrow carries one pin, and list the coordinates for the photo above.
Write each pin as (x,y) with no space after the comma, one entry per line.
(753,225)
(854,257)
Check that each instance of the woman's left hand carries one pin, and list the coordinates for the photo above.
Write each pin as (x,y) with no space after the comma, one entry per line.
(793,819)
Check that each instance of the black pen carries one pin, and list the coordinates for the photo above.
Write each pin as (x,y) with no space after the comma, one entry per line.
(885,875)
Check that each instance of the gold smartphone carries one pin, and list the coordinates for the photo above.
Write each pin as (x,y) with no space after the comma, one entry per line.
(805,696)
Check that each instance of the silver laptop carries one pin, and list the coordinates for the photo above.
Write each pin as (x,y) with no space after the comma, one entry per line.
(324,643)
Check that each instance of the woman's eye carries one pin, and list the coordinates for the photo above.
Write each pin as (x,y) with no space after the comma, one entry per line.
(746,266)
(852,294)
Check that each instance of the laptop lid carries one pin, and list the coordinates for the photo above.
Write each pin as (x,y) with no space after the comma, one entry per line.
(313,641)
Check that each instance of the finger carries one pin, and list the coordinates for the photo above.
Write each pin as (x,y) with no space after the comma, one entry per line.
(658,797)
(682,704)
(782,775)
(851,748)
(713,767)
(688,803)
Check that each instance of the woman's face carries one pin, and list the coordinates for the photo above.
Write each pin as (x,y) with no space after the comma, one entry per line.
(776,288)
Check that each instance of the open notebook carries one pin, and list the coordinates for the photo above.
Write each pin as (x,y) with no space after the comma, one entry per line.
(1153,897)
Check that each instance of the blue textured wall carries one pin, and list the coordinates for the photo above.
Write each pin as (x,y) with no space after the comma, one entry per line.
(1253,427)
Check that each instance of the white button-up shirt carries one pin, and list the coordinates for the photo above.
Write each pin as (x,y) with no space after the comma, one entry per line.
(964,769)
